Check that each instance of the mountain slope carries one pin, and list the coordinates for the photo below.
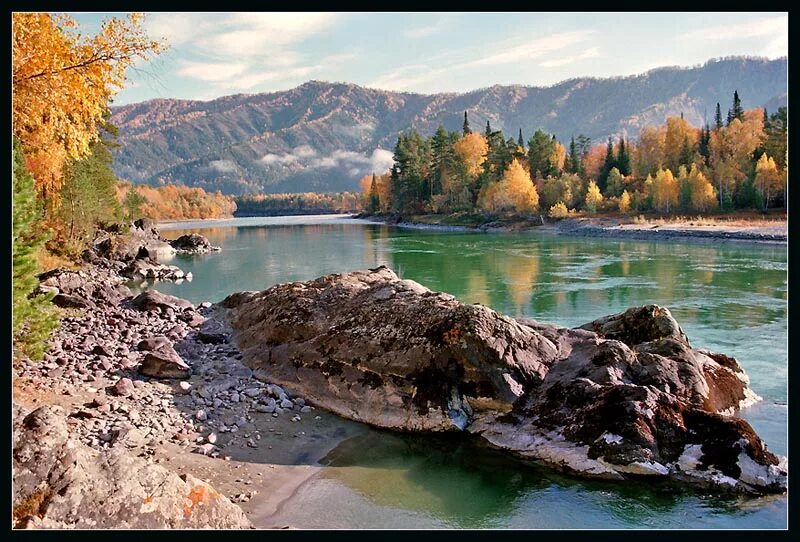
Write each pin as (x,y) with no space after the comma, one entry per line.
(323,136)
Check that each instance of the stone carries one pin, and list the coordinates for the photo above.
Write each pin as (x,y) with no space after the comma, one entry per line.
(154,300)
(201,415)
(124,387)
(623,396)
(192,243)
(184,387)
(60,483)
(161,364)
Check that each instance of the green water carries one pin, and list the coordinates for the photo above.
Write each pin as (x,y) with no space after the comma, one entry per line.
(728,297)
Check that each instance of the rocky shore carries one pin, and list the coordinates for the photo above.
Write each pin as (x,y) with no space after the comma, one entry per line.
(110,427)
(607,228)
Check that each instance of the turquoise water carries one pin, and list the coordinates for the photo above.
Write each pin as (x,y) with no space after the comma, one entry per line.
(728,297)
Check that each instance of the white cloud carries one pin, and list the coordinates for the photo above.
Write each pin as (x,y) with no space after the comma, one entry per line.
(224,166)
(208,71)
(751,29)
(421,31)
(304,151)
(534,49)
(592,52)
(177,28)
(263,33)
(411,76)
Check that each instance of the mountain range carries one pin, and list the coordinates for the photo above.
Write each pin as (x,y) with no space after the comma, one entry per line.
(323,136)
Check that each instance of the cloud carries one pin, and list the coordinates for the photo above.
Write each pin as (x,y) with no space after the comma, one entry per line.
(208,71)
(592,52)
(223,166)
(262,33)
(411,76)
(303,151)
(758,28)
(533,49)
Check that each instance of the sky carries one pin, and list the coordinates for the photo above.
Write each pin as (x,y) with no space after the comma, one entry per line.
(218,54)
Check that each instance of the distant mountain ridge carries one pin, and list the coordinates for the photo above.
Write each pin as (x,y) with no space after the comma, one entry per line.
(323,136)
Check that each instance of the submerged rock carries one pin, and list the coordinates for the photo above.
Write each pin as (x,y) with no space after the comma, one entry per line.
(147,268)
(625,395)
(61,483)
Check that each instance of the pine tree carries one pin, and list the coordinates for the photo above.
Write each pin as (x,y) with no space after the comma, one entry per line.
(574,159)
(686,153)
(609,163)
(374,199)
(488,130)
(738,112)
(718,117)
(703,144)
(623,158)
(520,141)
(32,317)
(466,129)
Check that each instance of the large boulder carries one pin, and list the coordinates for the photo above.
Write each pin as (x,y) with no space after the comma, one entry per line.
(625,395)
(152,300)
(192,243)
(141,241)
(147,268)
(59,483)
(161,359)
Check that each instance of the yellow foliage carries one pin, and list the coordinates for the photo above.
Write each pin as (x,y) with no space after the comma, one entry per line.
(472,149)
(702,194)
(768,180)
(665,190)
(559,210)
(593,197)
(514,192)
(624,202)
(174,202)
(62,83)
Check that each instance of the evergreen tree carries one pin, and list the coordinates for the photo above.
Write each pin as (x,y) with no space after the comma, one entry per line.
(374,199)
(687,155)
(488,130)
(520,141)
(623,158)
(737,112)
(540,152)
(466,128)
(32,317)
(573,162)
(609,163)
(718,117)
(703,144)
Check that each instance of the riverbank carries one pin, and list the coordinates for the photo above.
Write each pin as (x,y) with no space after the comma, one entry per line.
(769,232)
(255,443)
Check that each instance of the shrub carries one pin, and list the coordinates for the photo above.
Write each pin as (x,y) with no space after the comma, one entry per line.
(559,210)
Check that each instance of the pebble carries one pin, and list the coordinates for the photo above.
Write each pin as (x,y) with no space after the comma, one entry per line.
(201,415)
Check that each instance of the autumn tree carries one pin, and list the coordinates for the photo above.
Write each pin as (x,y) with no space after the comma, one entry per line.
(593,198)
(768,180)
(514,192)
(624,202)
(63,82)
(680,139)
(664,191)
(649,152)
(471,151)
(702,197)
(615,183)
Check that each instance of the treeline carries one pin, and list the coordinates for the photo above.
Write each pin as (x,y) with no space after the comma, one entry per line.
(297,204)
(737,163)
(63,81)
(174,202)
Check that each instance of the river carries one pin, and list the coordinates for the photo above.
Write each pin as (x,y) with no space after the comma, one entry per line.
(730,298)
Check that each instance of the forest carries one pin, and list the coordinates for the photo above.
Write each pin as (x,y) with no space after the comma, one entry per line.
(738,162)
(290,204)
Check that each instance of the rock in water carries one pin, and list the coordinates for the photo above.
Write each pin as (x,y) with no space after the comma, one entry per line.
(192,243)
(59,483)
(623,395)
